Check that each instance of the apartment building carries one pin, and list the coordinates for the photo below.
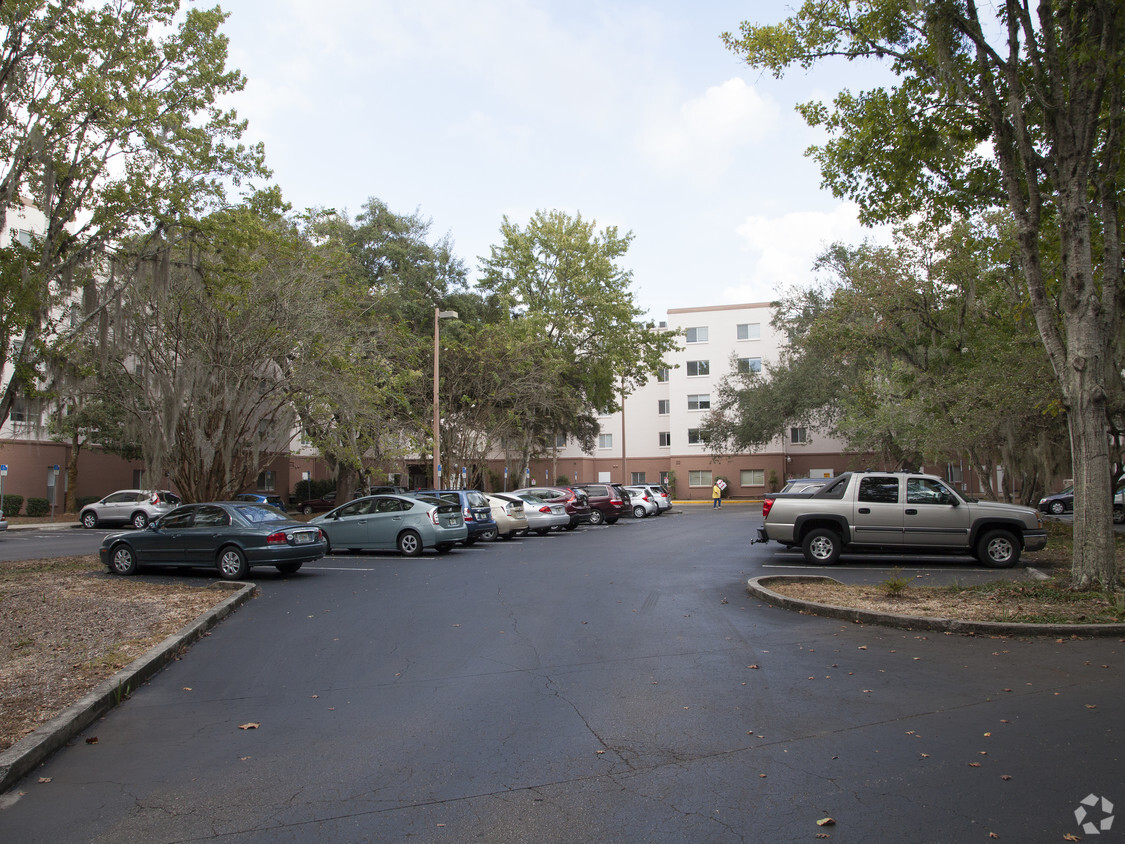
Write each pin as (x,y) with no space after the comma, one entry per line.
(656,436)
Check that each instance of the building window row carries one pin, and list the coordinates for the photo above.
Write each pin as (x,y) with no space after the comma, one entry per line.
(698,367)
(743,331)
(699,401)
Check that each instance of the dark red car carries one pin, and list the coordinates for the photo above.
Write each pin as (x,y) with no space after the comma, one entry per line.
(608,502)
(576,501)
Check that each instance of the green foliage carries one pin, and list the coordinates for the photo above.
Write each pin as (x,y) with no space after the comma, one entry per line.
(995,106)
(896,585)
(560,279)
(83,500)
(38,507)
(13,504)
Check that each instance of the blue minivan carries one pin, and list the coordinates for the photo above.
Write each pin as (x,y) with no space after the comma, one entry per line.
(474,507)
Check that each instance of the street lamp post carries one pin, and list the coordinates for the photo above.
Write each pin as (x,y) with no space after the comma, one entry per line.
(439,315)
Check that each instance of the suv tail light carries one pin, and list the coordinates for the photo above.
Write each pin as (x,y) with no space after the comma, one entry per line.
(767,505)
(468,515)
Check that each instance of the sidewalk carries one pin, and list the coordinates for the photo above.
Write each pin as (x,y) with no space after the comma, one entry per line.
(55,525)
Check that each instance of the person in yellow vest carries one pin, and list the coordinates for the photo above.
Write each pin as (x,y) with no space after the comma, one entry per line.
(716,496)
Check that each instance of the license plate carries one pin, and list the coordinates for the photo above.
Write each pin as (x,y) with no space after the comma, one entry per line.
(452,521)
(302,538)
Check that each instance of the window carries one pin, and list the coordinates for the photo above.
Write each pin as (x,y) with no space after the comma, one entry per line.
(926,491)
(267,481)
(665,439)
(697,335)
(21,236)
(749,365)
(698,367)
(798,436)
(560,440)
(210,516)
(877,489)
(664,406)
(693,437)
(662,375)
(699,477)
(605,440)
(753,477)
(137,477)
(638,478)
(750,331)
(701,401)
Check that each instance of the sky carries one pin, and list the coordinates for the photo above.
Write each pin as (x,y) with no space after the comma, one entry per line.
(632,114)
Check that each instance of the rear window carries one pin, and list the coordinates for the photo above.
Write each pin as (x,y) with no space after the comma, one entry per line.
(476,499)
(257,514)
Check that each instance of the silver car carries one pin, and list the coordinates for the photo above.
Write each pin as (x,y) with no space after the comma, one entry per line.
(404,523)
(541,515)
(643,502)
(136,507)
(510,520)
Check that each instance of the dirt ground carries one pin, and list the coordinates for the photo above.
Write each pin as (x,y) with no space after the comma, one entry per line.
(67,624)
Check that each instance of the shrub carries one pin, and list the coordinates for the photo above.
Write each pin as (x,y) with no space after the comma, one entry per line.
(38,506)
(312,489)
(896,585)
(12,505)
(82,500)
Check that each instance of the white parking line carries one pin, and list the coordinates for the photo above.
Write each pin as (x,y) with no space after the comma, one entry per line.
(334,568)
(864,568)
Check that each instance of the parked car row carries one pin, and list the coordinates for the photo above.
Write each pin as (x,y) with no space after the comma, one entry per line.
(1063,502)
(253,530)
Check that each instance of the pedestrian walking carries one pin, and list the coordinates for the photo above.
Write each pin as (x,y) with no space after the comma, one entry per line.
(716,496)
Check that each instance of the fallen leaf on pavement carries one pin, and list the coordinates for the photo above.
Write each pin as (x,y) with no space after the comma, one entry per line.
(826,822)
(253,725)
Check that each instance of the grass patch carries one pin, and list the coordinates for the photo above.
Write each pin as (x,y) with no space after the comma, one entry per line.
(1051,602)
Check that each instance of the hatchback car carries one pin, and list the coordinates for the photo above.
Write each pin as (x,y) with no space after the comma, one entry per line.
(660,495)
(262,498)
(231,536)
(136,507)
(643,501)
(509,516)
(541,515)
(607,502)
(404,523)
(575,501)
(475,509)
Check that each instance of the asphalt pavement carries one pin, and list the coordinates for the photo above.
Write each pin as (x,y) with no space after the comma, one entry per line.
(616,683)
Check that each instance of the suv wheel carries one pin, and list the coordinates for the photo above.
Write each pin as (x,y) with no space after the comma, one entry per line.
(597,517)
(998,549)
(89,519)
(139,520)
(822,547)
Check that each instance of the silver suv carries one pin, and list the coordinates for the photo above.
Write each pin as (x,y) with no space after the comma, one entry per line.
(136,507)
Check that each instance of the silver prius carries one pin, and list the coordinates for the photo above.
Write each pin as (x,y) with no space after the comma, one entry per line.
(400,523)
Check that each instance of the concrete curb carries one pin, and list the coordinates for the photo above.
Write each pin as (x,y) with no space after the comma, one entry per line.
(759,588)
(44,526)
(33,749)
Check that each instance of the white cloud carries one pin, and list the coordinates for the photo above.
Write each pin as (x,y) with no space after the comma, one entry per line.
(701,139)
(786,247)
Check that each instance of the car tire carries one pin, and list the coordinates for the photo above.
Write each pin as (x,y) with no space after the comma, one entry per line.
(289,568)
(1118,515)
(232,563)
(488,535)
(542,531)
(822,547)
(612,521)
(639,512)
(512,534)
(409,543)
(444,547)
(89,519)
(1056,508)
(307,510)
(122,560)
(471,540)
(570,526)
(597,517)
(328,550)
(139,520)
(998,549)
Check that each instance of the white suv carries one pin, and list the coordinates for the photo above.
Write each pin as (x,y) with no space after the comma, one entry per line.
(136,507)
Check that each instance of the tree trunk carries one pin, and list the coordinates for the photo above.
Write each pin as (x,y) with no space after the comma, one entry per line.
(70,504)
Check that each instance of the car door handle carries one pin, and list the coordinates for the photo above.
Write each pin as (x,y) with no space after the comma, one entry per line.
(912,512)
(864,510)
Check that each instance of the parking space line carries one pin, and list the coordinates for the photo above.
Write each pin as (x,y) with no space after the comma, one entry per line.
(335,568)
(863,568)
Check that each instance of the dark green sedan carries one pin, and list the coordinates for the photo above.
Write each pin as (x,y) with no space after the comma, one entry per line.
(230,536)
